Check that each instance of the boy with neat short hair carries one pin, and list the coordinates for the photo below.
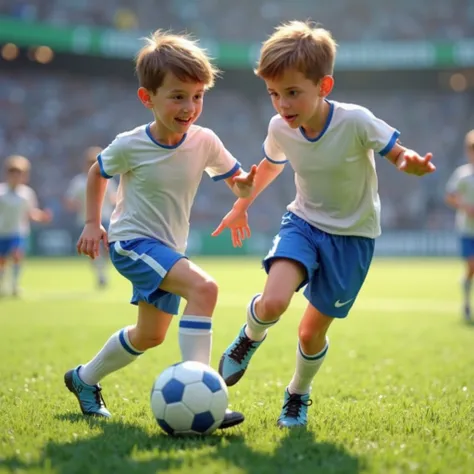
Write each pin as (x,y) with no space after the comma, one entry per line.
(326,239)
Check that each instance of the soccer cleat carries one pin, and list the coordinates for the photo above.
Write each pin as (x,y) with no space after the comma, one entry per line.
(231,418)
(236,358)
(295,410)
(89,396)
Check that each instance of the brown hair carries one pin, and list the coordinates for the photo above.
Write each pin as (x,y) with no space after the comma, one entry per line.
(297,45)
(18,163)
(178,54)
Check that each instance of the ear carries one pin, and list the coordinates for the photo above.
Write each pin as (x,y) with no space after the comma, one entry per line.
(145,97)
(326,86)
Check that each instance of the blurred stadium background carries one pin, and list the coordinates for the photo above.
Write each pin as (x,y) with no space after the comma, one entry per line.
(67,82)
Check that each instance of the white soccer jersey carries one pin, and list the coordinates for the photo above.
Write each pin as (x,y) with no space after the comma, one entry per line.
(462,184)
(336,182)
(158,183)
(15,206)
(77,191)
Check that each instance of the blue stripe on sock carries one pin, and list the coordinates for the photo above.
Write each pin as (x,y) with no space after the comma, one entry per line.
(195,325)
(126,346)
(254,316)
(319,355)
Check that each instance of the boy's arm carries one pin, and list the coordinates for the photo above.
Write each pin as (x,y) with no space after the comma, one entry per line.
(236,220)
(241,183)
(40,215)
(266,173)
(34,212)
(95,192)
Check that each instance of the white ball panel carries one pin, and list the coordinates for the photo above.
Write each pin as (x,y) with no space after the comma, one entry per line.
(158,404)
(189,372)
(197,397)
(179,417)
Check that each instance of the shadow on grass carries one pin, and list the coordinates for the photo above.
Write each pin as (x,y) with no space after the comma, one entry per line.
(125,448)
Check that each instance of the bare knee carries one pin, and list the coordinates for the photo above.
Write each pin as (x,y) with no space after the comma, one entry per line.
(272,307)
(308,336)
(204,294)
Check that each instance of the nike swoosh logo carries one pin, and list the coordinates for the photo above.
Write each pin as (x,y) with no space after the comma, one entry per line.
(340,304)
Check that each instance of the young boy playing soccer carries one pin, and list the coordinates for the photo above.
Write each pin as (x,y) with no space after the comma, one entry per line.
(326,240)
(76,202)
(460,196)
(18,205)
(160,167)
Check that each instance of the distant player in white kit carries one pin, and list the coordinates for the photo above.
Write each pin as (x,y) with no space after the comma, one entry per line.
(76,202)
(160,166)
(18,205)
(326,240)
(460,196)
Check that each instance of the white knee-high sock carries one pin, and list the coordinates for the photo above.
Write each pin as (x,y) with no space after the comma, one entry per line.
(116,354)
(307,367)
(256,328)
(195,338)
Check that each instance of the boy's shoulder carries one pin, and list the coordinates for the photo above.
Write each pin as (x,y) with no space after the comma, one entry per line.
(202,133)
(128,135)
(349,111)
(464,171)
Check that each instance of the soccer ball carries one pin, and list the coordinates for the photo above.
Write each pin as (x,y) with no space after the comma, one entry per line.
(189,398)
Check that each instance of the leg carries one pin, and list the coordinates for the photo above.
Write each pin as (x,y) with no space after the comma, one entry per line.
(200,291)
(160,276)
(7,246)
(310,354)
(3,263)
(284,278)
(289,264)
(344,263)
(122,348)
(17,258)
(467,285)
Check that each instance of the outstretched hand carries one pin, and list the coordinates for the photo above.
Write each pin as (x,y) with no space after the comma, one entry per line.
(244,182)
(413,163)
(237,222)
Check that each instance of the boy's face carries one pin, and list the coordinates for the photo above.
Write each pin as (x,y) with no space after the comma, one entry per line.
(295,97)
(15,177)
(176,104)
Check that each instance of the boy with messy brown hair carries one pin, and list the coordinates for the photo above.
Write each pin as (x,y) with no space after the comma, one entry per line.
(160,166)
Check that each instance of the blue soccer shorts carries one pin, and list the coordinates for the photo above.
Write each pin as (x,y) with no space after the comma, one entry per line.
(336,265)
(11,244)
(145,263)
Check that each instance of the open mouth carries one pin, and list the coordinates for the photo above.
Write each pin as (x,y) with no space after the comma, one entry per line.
(183,121)
(290,118)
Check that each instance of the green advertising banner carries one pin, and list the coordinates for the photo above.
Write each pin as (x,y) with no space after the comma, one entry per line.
(351,56)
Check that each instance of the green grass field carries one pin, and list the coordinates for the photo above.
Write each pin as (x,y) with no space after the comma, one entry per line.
(395,394)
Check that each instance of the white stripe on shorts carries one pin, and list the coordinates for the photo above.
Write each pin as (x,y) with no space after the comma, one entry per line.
(143,257)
